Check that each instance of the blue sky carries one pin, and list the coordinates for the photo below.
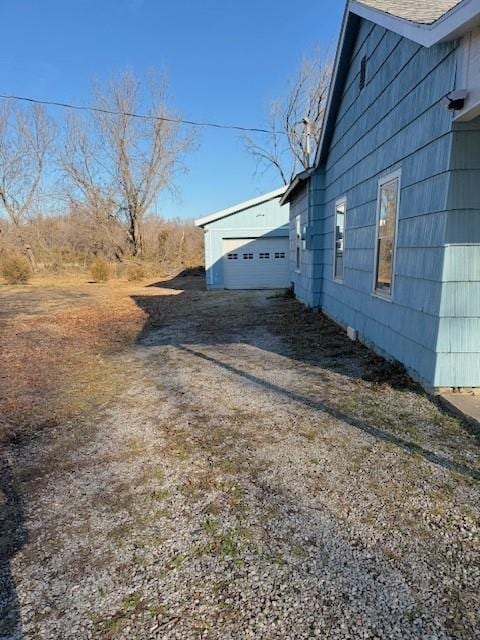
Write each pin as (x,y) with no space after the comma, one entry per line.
(225,60)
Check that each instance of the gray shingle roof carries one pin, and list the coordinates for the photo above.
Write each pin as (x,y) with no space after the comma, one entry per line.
(419,11)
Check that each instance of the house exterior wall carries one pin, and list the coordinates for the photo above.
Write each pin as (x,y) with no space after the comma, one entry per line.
(469,73)
(262,220)
(307,280)
(301,277)
(395,123)
(458,344)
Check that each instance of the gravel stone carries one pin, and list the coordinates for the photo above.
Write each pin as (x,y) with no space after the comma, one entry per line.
(259,477)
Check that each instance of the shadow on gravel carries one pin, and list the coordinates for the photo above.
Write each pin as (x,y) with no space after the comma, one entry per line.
(320,342)
(13,536)
(324,407)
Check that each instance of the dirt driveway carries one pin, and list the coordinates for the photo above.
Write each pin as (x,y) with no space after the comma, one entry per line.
(257,476)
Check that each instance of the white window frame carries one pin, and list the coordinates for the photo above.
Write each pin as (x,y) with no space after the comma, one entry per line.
(395,175)
(298,243)
(340,201)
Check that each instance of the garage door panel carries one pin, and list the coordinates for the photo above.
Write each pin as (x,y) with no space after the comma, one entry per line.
(256,263)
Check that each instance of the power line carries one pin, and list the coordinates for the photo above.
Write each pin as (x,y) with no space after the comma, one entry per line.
(143,116)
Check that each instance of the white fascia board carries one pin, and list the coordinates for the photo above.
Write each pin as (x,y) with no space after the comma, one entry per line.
(457,21)
(200,222)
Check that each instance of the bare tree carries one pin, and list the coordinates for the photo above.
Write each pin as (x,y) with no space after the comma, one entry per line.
(120,163)
(295,122)
(26,138)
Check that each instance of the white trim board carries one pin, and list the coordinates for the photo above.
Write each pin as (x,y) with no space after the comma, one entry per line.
(468,73)
(386,179)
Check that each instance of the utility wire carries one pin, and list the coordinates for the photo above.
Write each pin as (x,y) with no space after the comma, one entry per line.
(142,116)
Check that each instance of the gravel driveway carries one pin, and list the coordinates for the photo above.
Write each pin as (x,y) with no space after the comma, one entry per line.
(258,476)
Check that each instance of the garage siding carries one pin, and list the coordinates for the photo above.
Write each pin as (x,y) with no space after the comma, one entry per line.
(265,220)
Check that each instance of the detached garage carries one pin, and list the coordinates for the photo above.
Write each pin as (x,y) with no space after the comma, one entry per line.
(247,246)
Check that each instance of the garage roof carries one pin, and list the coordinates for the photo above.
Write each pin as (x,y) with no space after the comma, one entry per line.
(247,204)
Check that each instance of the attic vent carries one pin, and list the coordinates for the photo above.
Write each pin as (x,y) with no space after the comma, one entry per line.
(363,72)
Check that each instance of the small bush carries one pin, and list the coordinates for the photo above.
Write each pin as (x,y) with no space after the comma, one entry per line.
(16,270)
(100,270)
(119,270)
(135,272)
(56,268)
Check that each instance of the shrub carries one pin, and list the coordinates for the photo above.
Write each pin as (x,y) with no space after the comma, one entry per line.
(100,270)
(135,272)
(16,270)
(119,269)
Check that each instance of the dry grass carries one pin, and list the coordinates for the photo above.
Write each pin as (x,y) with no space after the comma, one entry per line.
(172,508)
(55,333)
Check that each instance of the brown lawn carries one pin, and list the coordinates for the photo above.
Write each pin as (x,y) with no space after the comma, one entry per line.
(54,334)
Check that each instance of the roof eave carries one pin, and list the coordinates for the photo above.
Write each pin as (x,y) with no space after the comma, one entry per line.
(453,24)
(293,186)
(447,27)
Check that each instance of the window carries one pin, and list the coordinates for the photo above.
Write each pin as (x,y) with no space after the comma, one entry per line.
(248,256)
(264,256)
(387,219)
(232,256)
(298,242)
(340,210)
(279,255)
(363,73)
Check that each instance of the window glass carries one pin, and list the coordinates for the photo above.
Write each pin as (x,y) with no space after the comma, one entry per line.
(387,222)
(298,242)
(340,210)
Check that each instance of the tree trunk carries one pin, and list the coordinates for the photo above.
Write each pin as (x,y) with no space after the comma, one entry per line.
(136,236)
(180,248)
(31,257)
(26,247)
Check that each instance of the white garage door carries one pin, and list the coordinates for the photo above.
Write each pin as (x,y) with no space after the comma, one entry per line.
(256,263)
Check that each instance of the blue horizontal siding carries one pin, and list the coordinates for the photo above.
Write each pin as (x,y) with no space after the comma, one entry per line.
(304,280)
(457,370)
(432,323)
(458,345)
(396,122)
(265,219)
